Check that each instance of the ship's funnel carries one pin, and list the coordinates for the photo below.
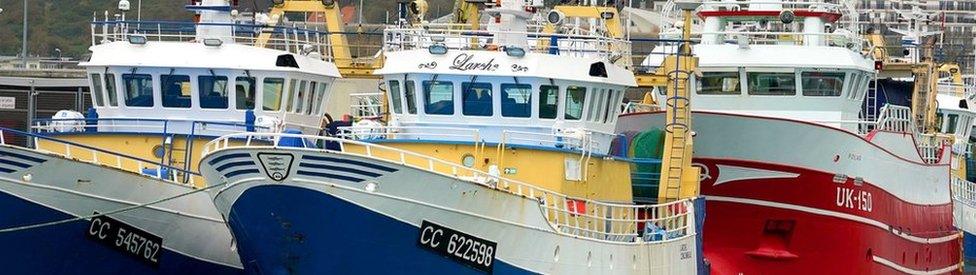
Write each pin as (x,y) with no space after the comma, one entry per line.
(512,22)
(215,18)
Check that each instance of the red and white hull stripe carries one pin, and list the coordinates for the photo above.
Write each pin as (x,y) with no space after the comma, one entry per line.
(788,197)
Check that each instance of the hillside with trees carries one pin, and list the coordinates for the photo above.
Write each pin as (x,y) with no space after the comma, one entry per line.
(64,24)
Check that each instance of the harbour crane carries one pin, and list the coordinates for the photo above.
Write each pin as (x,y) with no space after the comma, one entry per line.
(349,66)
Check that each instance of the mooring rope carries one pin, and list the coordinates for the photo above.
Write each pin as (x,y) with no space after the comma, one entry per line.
(120,210)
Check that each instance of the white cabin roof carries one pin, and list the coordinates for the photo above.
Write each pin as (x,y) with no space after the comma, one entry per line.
(952,103)
(198,55)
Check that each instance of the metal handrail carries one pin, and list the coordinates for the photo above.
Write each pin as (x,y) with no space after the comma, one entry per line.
(958,90)
(362,132)
(366,105)
(293,40)
(580,217)
(585,143)
(194,24)
(52,125)
(896,119)
(796,38)
(164,127)
(963,190)
(401,39)
(140,163)
(845,8)
(390,132)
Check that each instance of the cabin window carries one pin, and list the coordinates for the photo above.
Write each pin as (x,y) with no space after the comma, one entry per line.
(853,83)
(476,99)
(822,83)
(516,100)
(320,99)
(596,103)
(244,97)
(952,121)
(967,123)
(176,90)
(96,90)
(395,97)
(768,83)
(719,83)
(213,92)
(113,98)
(865,84)
(138,90)
(963,125)
(311,97)
(438,97)
(410,95)
(619,99)
(290,106)
(575,98)
(300,100)
(271,93)
(611,103)
(548,101)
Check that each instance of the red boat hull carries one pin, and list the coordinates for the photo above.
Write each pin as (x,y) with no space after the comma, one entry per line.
(791,197)
(749,229)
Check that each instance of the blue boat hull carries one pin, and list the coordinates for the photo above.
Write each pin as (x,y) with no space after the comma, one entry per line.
(65,249)
(284,229)
(969,251)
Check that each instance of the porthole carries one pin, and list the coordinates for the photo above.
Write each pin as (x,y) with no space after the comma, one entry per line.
(467,160)
(158,151)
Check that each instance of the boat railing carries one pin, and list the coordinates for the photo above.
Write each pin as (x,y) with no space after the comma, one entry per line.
(894,118)
(582,140)
(366,105)
(826,9)
(140,125)
(930,153)
(293,40)
(580,217)
(372,132)
(898,119)
(164,128)
(97,156)
(963,190)
(575,45)
(846,40)
(843,7)
(958,90)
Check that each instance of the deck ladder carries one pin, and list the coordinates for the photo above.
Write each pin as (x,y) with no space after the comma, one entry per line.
(676,161)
